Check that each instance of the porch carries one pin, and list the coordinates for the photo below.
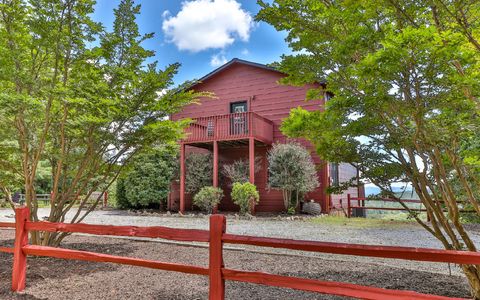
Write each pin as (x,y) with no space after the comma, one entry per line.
(225,131)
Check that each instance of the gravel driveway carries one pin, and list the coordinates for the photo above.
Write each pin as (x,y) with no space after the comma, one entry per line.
(396,234)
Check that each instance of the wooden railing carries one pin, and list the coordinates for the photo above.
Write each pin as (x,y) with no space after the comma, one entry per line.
(47,198)
(230,127)
(216,270)
(360,204)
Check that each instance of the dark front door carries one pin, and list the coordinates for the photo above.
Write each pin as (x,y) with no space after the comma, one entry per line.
(238,118)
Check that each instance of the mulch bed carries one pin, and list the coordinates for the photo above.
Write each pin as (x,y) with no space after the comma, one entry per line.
(49,278)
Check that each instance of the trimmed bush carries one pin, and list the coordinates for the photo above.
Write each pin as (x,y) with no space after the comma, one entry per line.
(245,195)
(207,198)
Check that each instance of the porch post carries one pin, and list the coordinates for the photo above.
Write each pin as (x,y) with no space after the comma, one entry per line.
(215,170)
(182,178)
(251,159)
(251,166)
(215,163)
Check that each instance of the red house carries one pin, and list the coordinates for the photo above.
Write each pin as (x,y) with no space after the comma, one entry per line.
(243,122)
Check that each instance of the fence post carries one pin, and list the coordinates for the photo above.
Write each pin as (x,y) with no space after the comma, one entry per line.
(19,271)
(217,283)
(105,198)
(349,210)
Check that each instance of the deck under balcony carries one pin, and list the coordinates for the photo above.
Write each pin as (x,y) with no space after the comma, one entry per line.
(229,129)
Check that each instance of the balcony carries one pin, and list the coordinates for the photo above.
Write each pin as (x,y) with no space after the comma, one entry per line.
(230,127)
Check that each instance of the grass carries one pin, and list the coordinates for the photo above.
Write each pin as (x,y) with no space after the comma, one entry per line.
(360,222)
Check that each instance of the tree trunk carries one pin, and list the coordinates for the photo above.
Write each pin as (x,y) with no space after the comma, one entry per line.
(473,278)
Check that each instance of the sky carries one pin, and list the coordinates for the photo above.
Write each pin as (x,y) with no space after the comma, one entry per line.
(202,35)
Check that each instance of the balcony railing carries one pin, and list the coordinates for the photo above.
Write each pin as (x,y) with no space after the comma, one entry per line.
(235,126)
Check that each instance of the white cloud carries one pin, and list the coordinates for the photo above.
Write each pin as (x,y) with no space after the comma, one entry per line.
(218,60)
(206,24)
(166,14)
(245,52)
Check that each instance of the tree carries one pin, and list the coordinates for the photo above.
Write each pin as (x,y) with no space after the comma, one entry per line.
(406,84)
(199,172)
(121,200)
(147,181)
(292,170)
(86,109)
(239,170)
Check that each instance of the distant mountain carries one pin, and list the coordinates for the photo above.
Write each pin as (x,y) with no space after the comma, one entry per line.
(408,194)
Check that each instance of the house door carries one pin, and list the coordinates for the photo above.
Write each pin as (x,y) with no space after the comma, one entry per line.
(238,118)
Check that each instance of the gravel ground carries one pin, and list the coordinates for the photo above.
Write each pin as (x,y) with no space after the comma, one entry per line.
(49,278)
(395,234)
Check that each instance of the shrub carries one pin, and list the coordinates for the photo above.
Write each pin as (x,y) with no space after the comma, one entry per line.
(207,198)
(146,182)
(292,170)
(199,172)
(121,198)
(239,170)
(245,195)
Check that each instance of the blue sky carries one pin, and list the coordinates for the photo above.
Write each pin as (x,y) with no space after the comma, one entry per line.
(202,34)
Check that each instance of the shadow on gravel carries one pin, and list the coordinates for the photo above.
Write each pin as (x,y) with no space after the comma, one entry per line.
(42,268)
(396,279)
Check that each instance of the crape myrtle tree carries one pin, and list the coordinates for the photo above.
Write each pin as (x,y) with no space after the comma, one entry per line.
(291,169)
(84,99)
(406,80)
(199,172)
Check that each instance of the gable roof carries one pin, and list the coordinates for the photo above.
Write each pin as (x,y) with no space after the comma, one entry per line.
(243,62)
(230,63)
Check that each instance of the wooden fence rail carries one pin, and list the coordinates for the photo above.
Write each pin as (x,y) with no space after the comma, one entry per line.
(216,271)
(360,204)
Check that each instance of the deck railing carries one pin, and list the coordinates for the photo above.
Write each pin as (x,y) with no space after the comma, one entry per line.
(216,270)
(230,127)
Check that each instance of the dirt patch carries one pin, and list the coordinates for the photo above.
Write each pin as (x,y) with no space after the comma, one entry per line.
(49,278)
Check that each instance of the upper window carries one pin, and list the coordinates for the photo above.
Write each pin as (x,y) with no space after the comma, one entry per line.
(238,107)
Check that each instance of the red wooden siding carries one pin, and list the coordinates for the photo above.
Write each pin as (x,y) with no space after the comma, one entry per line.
(266,98)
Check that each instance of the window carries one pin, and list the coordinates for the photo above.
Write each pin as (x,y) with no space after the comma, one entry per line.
(238,119)
(334,174)
(238,107)
(327,96)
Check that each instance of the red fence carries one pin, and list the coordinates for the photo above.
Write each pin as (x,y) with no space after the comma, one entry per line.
(359,203)
(216,270)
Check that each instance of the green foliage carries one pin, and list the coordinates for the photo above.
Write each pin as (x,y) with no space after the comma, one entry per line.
(121,195)
(82,98)
(292,170)
(207,198)
(148,178)
(406,80)
(245,195)
(239,170)
(199,172)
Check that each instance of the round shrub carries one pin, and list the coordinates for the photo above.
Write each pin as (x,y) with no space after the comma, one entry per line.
(245,195)
(207,198)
